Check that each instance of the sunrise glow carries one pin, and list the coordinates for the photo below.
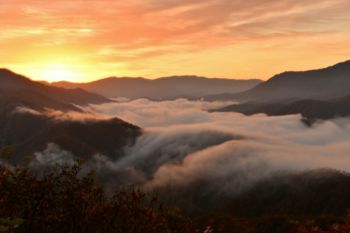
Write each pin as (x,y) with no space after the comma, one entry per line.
(57,72)
(89,40)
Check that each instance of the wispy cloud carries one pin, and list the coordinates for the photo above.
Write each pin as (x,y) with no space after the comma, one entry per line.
(144,32)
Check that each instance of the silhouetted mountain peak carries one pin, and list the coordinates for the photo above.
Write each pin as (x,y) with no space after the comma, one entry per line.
(317,84)
(10,79)
(20,90)
(340,65)
(5,71)
(327,72)
(9,74)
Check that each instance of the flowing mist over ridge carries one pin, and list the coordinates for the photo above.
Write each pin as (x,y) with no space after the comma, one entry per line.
(31,117)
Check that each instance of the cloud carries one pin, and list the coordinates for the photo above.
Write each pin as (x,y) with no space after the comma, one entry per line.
(158,146)
(147,113)
(227,150)
(183,146)
(135,37)
(59,115)
(53,155)
(185,19)
(25,110)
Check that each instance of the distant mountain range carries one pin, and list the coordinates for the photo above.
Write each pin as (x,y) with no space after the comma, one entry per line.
(25,133)
(316,94)
(310,110)
(163,88)
(322,84)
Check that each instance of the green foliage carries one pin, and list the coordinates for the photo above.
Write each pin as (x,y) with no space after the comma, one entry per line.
(59,201)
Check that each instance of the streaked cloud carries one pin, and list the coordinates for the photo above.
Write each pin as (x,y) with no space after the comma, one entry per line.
(184,36)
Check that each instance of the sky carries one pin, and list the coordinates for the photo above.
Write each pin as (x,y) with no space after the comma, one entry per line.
(84,40)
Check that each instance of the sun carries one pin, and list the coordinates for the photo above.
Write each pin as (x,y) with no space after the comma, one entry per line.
(58,72)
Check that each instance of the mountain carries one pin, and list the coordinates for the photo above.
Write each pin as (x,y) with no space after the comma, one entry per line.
(16,89)
(321,84)
(10,99)
(26,133)
(269,204)
(310,110)
(162,88)
(29,132)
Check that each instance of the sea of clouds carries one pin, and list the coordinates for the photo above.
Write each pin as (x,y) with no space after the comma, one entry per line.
(183,144)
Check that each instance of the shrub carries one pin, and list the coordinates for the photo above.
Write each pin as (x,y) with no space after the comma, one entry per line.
(59,201)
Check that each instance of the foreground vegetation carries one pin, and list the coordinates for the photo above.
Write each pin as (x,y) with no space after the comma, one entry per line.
(61,202)
(64,200)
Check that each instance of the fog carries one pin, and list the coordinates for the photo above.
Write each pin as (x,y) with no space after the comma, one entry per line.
(182,143)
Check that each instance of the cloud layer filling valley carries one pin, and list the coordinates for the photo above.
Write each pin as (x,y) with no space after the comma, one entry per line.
(182,144)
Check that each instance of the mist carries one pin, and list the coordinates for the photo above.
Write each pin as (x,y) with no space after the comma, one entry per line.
(183,144)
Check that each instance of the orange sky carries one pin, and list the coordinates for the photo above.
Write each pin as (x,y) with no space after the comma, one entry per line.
(82,40)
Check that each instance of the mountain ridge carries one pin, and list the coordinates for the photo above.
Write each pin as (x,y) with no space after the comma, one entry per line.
(319,84)
(17,88)
(171,87)
(310,110)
